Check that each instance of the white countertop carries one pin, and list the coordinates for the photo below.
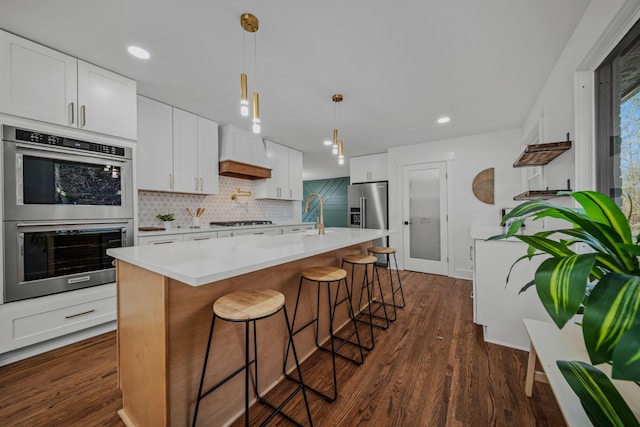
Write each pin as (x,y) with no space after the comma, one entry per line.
(200,262)
(207,228)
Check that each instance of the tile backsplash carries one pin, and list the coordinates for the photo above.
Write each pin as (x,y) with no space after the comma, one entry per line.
(218,207)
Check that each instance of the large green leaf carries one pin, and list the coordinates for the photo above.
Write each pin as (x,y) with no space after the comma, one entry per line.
(601,401)
(561,284)
(626,356)
(601,208)
(611,310)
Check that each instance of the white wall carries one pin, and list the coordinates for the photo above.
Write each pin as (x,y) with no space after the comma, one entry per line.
(601,27)
(466,157)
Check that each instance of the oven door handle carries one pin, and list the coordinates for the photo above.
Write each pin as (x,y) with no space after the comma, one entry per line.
(61,153)
(20,257)
(57,224)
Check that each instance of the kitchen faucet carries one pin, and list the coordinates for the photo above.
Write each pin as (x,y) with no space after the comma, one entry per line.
(306,209)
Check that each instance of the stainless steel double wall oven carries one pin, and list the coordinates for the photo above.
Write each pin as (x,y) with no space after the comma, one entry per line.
(66,201)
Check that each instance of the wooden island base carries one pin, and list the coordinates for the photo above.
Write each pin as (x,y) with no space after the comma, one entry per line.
(163,327)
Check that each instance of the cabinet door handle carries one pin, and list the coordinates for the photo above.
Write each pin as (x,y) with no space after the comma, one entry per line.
(471,252)
(73,112)
(171,181)
(84,115)
(196,179)
(71,316)
(201,184)
(290,193)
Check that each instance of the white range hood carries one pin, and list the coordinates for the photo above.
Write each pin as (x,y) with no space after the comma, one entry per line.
(242,154)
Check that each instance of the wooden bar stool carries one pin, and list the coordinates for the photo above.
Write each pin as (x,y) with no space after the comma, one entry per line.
(368,284)
(248,306)
(387,252)
(328,276)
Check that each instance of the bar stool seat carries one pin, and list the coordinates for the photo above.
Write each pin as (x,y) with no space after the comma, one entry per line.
(387,252)
(323,274)
(328,275)
(368,284)
(248,306)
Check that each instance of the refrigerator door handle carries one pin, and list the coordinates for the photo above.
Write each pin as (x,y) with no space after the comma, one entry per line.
(363,212)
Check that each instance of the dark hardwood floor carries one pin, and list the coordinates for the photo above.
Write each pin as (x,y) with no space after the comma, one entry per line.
(430,368)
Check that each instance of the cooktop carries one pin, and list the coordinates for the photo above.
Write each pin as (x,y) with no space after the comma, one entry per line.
(240,223)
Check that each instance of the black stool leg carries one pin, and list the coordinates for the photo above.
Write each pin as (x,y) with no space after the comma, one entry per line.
(246,372)
(204,369)
(381,302)
(393,294)
(395,260)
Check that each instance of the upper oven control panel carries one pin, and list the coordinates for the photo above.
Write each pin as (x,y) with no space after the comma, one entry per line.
(18,135)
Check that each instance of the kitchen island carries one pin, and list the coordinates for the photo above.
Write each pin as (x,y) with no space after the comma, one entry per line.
(165,297)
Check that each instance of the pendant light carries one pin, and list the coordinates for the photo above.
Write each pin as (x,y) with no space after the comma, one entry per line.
(337,99)
(249,24)
(340,153)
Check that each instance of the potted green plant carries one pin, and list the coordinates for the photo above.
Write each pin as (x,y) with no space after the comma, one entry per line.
(166,219)
(603,284)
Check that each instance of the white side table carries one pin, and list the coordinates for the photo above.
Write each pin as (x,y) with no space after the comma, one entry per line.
(550,344)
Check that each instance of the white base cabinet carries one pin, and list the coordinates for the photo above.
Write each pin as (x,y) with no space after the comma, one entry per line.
(497,304)
(28,322)
(177,150)
(369,168)
(43,84)
(286,174)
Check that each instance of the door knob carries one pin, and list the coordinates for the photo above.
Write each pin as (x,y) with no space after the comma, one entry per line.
(407,223)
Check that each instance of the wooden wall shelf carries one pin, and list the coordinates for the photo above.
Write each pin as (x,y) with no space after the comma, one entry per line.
(540,194)
(541,154)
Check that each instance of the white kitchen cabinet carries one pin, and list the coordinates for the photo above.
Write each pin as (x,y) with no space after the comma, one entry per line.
(206,235)
(295,174)
(286,174)
(298,228)
(155,145)
(43,84)
(177,150)
(498,304)
(369,168)
(160,240)
(195,154)
(37,82)
(208,156)
(272,231)
(28,322)
(185,155)
(106,102)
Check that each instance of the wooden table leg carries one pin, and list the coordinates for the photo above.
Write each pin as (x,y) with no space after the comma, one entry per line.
(531,368)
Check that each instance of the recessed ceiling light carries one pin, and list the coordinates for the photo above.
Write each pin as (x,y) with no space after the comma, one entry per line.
(138,52)
(443,120)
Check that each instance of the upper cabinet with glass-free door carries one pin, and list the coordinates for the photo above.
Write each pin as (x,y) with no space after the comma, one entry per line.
(43,84)
(369,168)
(177,150)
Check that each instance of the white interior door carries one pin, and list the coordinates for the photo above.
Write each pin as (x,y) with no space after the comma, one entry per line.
(424,201)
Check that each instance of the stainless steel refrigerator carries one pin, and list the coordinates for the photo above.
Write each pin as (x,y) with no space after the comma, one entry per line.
(368,208)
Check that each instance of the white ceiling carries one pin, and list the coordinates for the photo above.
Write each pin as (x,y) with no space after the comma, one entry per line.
(400,64)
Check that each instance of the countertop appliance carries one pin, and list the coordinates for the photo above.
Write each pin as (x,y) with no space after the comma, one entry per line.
(66,201)
(368,208)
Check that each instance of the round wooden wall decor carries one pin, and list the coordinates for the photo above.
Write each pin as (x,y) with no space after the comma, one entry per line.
(483,186)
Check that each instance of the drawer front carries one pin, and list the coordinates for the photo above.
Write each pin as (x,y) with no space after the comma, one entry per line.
(201,236)
(45,318)
(67,319)
(297,229)
(160,240)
